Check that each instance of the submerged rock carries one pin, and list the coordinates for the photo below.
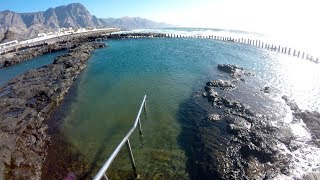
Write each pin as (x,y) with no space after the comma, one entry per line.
(221,84)
(25,103)
(214,117)
(228,68)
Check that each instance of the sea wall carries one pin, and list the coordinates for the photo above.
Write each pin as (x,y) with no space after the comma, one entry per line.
(25,102)
(135,35)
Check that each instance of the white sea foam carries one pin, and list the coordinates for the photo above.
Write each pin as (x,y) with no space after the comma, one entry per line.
(306,157)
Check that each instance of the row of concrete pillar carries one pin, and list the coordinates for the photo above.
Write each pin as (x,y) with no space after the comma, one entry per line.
(256,43)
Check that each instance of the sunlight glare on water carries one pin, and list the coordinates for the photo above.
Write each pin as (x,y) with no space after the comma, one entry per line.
(168,71)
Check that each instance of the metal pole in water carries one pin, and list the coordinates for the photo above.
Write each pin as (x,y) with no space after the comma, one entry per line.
(133,164)
(140,129)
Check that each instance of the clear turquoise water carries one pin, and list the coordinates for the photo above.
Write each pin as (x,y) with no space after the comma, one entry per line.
(110,90)
(6,74)
(168,71)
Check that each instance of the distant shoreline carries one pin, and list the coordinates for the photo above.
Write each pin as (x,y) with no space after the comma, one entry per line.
(16,54)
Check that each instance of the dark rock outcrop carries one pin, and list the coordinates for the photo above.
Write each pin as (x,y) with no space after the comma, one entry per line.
(311,119)
(56,44)
(25,102)
(250,138)
(129,35)
(222,84)
(233,70)
(266,89)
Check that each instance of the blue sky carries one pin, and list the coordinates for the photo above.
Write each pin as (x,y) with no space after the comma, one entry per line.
(102,8)
(264,16)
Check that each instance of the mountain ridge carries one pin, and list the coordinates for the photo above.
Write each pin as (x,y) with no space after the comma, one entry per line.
(29,24)
(127,22)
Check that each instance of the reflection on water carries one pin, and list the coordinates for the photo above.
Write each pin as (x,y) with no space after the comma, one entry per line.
(111,89)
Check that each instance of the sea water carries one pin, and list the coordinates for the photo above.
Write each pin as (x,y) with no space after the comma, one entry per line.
(109,91)
(8,73)
(168,71)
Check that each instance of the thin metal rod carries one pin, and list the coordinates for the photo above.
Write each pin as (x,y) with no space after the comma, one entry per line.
(133,164)
(140,129)
(124,140)
(105,176)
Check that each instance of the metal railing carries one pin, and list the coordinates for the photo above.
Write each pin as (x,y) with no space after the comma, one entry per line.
(125,140)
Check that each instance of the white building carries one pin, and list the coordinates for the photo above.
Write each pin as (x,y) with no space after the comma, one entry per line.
(42,35)
(8,44)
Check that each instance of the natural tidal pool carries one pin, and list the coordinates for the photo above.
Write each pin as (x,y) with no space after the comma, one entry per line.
(109,92)
(11,72)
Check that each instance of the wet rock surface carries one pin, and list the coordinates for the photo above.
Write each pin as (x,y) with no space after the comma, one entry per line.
(233,70)
(134,35)
(25,102)
(311,119)
(234,139)
(53,45)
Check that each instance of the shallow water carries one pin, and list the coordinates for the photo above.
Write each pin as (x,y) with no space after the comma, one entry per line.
(6,74)
(168,71)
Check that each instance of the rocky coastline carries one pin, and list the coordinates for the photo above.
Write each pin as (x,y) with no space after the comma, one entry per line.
(26,101)
(239,140)
(51,45)
(135,35)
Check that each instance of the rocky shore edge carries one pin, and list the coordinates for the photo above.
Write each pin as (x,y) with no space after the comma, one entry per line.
(52,45)
(253,140)
(25,102)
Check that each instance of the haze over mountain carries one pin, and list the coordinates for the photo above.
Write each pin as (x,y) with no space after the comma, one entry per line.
(133,23)
(15,25)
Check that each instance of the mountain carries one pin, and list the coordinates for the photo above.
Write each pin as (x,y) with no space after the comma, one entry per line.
(30,24)
(133,23)
(19,26)
(10,35)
